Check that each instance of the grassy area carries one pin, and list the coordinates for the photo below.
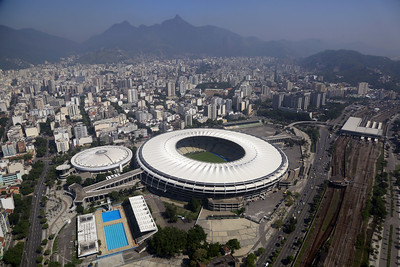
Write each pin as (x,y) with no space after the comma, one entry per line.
(182,211)
(314,221)
(205,157)
(306,245)
(55,245)
(332,208)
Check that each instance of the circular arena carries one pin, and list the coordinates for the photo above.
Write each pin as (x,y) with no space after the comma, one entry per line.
(210,163)
(102,158)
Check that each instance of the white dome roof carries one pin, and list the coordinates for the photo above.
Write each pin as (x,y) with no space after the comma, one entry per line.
(101,158)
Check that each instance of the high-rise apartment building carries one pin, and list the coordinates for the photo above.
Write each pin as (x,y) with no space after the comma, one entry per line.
(132,95)
(362,88)
(170,89)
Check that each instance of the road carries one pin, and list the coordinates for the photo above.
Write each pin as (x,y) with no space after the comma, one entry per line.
(34,238)
(395,220)
(318,175)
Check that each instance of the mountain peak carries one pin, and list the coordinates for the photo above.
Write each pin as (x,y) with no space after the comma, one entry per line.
(123,25)
(177,17)
(176,21)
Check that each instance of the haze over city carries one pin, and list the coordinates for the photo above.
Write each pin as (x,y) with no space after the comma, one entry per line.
(366,24)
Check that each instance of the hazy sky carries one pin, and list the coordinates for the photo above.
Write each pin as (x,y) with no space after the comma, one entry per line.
(374,22)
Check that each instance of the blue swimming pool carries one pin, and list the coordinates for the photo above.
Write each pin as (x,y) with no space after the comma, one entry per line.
(115,236)
(110,216)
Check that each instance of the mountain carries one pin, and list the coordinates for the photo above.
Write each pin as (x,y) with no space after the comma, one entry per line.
(173,37)
(177,37)
(351,66)
(20,48)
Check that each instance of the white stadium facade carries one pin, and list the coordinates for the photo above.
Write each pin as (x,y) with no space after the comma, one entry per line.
(250,164)
(102,159)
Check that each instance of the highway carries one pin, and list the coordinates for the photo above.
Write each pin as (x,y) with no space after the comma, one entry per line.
(34,238)
(317,176)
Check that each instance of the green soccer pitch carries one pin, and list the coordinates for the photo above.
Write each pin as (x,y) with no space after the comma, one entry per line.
(205,157)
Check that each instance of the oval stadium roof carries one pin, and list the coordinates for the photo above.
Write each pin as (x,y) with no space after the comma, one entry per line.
(101,158)
(261,164)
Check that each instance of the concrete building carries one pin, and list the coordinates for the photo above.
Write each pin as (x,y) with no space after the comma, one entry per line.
(132,95)
(362,88)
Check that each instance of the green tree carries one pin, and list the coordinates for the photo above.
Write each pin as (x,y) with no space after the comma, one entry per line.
(194,204)
(213,250)
(39,259)
(289,259)
(278,223)
(233,244)
(168,241)
(54,264)
(114,195)
(260,251)
(171,212)
(73,179)
(195,238)
(199,254)
(13,218)
(251,260)
(80,209)
(13,255)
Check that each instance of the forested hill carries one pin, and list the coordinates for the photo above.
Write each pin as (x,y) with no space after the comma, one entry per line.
(353,67)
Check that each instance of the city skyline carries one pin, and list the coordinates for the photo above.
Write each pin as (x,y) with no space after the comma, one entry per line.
(369,23)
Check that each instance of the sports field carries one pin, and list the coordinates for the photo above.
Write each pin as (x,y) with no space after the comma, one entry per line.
(205,157)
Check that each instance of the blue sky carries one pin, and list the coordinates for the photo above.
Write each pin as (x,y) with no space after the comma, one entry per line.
(373,22)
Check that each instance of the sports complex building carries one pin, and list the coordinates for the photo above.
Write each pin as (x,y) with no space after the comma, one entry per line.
(102,159)
(222,166)
(210,163)
(119,229)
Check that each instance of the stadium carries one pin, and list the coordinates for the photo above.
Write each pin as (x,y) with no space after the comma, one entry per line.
(102,159)
(210,163)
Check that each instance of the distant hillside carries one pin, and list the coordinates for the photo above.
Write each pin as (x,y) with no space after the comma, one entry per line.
(19,48)
(178,37)
(173,37)
(353,67)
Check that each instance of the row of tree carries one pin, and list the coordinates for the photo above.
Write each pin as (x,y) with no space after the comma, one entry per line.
(170,241)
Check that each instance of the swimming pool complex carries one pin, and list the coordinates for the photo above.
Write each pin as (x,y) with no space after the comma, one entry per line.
(115,236)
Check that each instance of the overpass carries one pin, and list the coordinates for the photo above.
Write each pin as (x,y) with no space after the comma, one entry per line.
(98,191)
(307,122)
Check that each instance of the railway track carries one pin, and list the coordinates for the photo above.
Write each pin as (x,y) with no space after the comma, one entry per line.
(333,241)
(349,222)
(330,207)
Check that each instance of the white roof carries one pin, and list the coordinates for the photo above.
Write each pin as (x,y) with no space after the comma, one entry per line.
(87,235)
(7,203)
(142,214)
(353,125)
(261,159)
(63,167)
(101,158)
